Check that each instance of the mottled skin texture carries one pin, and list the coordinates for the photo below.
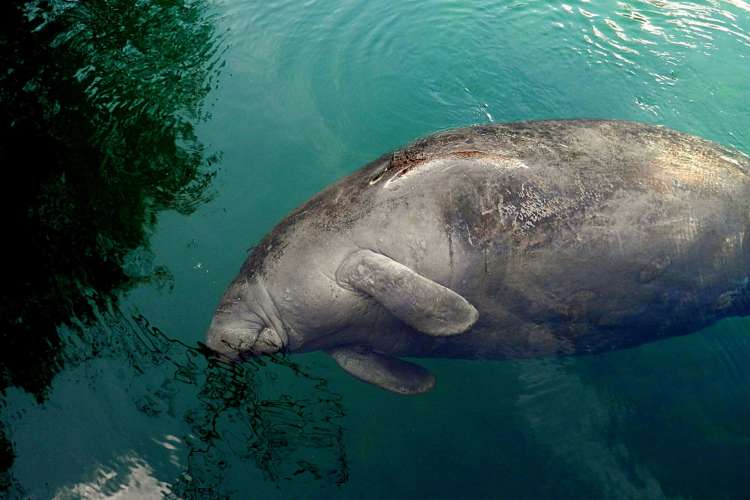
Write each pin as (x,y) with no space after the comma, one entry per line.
(568,237)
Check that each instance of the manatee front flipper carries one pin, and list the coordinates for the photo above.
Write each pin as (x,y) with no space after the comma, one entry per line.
(419,302)
(384,371)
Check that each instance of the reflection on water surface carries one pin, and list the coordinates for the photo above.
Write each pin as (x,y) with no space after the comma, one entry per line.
(101,100)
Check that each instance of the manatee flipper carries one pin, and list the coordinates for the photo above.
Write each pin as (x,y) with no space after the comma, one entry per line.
(419,302)
(384,371)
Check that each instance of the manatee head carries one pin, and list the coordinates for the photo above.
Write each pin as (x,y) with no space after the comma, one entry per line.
(285,299)
(311,286)
(245,323)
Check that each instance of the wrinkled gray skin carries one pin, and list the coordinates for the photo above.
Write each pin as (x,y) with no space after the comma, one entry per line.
(503,241)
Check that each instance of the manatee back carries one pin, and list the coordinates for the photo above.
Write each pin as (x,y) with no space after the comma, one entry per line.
(578,236)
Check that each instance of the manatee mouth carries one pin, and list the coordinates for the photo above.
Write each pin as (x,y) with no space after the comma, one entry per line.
(239,344)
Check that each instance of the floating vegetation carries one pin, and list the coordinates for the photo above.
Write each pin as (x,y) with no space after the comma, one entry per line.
(238,414)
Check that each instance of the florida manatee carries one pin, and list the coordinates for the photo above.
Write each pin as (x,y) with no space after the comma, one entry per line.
(502,241)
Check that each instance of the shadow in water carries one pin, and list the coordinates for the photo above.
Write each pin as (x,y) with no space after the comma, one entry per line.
(100,101)
(664,420)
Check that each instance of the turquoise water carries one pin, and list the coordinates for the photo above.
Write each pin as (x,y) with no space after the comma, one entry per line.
(182,131)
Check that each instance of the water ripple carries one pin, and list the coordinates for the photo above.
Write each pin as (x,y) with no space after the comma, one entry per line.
(445,63)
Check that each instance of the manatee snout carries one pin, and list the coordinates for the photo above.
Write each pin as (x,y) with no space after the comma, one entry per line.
(239,338)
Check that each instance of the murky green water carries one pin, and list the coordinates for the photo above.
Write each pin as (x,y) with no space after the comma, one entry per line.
(154,142)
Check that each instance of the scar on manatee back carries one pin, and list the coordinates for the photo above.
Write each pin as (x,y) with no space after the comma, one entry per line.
(418,153)
(403,162)
(464,144)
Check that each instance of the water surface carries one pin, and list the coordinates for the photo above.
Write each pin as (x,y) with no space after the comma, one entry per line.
(157,141)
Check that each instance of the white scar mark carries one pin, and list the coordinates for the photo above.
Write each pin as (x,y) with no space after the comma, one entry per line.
(468,233)
(732,161)
(448,160)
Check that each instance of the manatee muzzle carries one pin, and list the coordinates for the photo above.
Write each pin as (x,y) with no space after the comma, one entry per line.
(237,341)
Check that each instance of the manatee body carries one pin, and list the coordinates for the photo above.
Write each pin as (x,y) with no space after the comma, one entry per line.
(502,241)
